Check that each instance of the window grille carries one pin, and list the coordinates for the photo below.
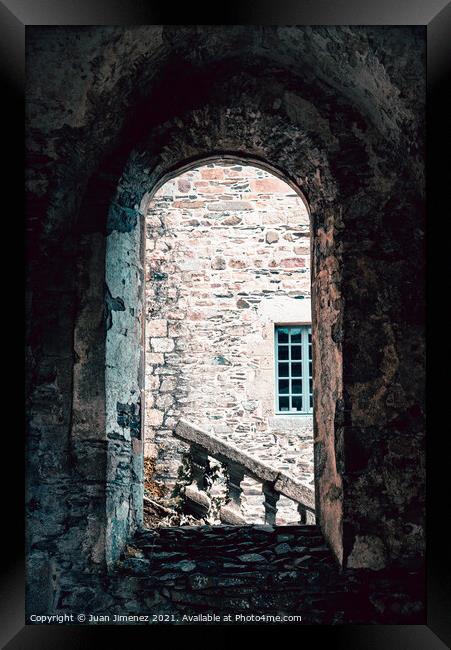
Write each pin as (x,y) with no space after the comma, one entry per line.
(294,384)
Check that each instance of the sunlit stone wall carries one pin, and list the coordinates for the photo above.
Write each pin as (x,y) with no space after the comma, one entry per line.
(228,257)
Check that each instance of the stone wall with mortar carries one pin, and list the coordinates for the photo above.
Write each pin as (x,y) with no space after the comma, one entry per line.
(227,258)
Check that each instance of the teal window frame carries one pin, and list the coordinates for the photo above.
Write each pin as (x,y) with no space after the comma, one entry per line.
(294,387)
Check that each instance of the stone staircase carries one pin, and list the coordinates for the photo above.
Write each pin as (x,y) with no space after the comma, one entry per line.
(233,573)
(235,570)
(238,466)
(248,574)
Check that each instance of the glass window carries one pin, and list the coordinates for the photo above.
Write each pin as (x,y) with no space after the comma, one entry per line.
(294,379)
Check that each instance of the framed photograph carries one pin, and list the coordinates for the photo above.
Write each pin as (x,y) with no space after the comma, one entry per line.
(225,321)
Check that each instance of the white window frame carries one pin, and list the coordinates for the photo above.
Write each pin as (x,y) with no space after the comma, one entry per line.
(307,379)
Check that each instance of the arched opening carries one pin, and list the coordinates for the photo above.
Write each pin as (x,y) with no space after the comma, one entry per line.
(125,342)
(228,340)
(188,143)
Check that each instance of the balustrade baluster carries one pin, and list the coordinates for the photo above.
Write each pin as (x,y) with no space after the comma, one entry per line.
(271,499)
(302,513)
(310,519)
(199,463)
(197,500)
(230,513)
(274,483)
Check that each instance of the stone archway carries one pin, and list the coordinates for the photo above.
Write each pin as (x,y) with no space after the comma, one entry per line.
(136,184)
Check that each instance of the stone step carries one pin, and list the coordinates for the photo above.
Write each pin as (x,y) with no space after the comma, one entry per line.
(225,557)
(161,553)
(200,577)
(225,531)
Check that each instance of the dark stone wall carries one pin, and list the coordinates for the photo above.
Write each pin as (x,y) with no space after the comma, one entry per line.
(111,113)
(236,575)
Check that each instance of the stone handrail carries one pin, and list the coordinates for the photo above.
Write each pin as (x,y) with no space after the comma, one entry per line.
(238,463)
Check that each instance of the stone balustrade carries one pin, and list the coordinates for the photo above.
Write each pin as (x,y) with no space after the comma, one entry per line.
(238,464)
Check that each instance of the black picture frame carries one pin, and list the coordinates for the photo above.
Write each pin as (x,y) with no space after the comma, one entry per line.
(15,17)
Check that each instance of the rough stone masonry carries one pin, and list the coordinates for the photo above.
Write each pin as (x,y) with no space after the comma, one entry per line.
(340,112)
(227,258)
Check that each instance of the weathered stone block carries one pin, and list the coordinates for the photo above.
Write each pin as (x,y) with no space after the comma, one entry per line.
(152,382)
(157,327)
(218,263)
(212,173)
(232,220)
(155,417)
(267,185)
(168,384)
(271,237)
(183,185)
(292,262)
(229,206)
(161,344)
(154,358)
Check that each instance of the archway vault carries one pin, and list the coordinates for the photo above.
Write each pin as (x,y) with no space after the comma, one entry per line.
(141,178)
(306,152)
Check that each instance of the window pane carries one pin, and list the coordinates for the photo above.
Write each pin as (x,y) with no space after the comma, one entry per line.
(296,335)
(297,403)
(284,386)
(282,333)
(283,351)
(296,352)
(283,369)
(294,368)
(284,403)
